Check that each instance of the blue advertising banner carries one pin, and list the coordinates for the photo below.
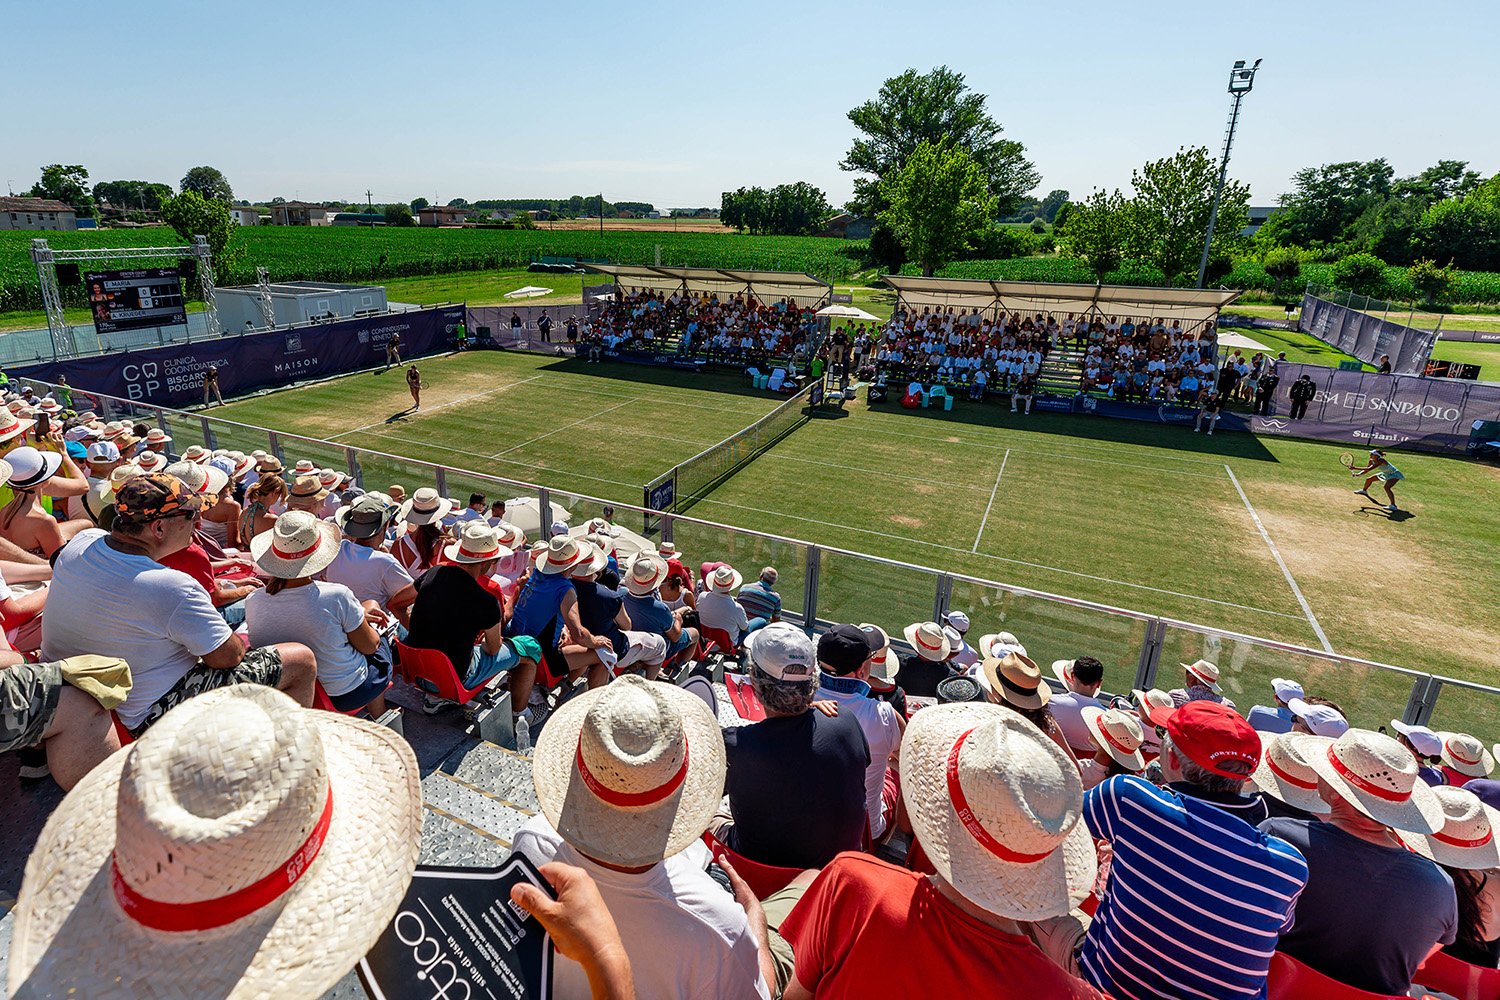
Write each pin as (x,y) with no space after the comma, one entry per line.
(172,375)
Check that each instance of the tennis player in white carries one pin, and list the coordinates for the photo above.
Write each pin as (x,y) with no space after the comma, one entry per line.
(1382,470)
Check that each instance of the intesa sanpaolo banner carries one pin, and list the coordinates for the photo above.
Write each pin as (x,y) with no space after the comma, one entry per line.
(172,375)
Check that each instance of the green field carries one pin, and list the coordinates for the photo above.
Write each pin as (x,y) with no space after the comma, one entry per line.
(1134,515)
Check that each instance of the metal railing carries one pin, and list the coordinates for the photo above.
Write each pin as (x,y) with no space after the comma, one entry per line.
(823,584)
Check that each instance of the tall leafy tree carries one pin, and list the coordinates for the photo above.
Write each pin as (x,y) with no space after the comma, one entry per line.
(1282,264)
(135,195)
(1173,199)
(417,204)
(399,215)
(1099,230)
(191,214)
(68,184)
(940,202)
(209,182)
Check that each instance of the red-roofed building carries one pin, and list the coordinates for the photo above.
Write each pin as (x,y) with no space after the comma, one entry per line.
(36,213)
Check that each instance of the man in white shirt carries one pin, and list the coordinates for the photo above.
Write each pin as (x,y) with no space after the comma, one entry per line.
(363,566)
(844,653)
(1081,679)
(717,607)
(634,772)
(475,511)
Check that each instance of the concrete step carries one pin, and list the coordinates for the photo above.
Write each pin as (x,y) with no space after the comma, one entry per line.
(477,809)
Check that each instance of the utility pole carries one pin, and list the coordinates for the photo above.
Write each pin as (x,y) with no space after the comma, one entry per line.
(1241,80)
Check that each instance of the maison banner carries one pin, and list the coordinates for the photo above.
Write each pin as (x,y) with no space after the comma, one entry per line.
(172,375)
(1405,411)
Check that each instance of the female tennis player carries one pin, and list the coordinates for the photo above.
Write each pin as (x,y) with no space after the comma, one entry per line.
(1380,469)
(414,383)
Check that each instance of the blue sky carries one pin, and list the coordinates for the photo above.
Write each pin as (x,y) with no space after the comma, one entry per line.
(673,104)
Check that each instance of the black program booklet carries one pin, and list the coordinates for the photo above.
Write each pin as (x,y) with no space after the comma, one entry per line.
(458,936)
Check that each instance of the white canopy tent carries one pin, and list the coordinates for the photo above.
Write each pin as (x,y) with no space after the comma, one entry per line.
(528,292)
(765,286)
(847,312)
(1190,305)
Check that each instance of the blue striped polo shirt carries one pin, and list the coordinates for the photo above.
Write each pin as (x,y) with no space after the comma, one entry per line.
(1197,897)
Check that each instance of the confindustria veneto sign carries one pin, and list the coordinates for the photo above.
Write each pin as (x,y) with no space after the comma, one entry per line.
(172,375)
(458,936)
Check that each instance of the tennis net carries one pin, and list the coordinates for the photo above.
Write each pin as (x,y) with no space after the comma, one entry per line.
(690,481)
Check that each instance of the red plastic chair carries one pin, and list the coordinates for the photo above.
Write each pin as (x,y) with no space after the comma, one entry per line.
(1289,979)
(1458,978)
(762,879)
(433,666)
(124,734)
(323,703)
(710,639)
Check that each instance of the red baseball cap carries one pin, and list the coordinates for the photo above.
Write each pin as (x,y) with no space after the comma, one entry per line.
(1210,735)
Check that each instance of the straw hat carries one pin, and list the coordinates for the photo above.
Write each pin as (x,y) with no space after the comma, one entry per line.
(997,644)
(30,468)
(114,430)
(477,543)
(1462,752)
(298,544)
(511,536)
(5,472)
(1153,706)
(646,574)
(884,663)
(150,461)
(1285,771)
(1204,673)
(928,640)
(998,808)
(562,554)
(242,465)
(50,406)
(196,454)
(1016,679)
(329,479)
(1466,838)
(630,773)
(315,816)
(1117,733)
(204,480)
(424,507)
(269,465)
(595,563)
(397,493)
(1378,776)
(304,467)
(103,492)
(724,580)
(156,437)
(668,550)
(305,492)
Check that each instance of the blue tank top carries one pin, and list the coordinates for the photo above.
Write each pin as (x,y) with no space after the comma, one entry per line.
(539,603)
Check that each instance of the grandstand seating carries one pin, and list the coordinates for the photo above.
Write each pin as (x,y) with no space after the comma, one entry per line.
(1458,978)
(431,665)
(1289,979)
(762,879)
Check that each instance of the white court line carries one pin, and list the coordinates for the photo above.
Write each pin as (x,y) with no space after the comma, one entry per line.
(441,406)
(986,519)
(559,430)
(1275,554)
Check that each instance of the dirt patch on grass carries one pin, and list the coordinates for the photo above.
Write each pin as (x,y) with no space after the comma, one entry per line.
(926,489)
(907,522)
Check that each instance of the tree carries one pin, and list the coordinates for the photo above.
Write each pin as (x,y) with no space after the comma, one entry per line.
(1052,204)
(399,215)
(1061,218)
(940,201)
(1038,225)
(1283,264)
(417,204)
(67,184)
(459,203)
(208,182)
(1431,281)
(133,195)
(191,214)
(1173,198)
(1098,231)
(1464,231)
(1361,273)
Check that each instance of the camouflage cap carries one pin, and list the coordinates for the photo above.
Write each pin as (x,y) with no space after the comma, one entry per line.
(146,498)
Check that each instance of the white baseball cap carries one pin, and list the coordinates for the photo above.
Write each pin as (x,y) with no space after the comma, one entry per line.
(957,619)
(784,651)
(1320,719)
(104,451)
(1286,690)
(1426,742)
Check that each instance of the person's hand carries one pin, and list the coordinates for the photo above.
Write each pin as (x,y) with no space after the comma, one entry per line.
(376,616)
(602,642)
(580,925)
(828,707)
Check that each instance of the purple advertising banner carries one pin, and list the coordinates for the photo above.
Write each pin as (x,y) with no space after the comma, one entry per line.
(1366,336)
(1430,414)
(172,375)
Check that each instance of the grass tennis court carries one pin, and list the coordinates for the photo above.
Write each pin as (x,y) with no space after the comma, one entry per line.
(1224,531)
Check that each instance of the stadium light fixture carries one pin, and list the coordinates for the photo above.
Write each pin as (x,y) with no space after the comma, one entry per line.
(1241,79)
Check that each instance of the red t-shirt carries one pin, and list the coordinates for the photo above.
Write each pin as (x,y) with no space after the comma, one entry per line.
(193,561)
(866,928)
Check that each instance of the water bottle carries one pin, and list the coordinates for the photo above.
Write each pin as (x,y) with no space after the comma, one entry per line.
(523,735)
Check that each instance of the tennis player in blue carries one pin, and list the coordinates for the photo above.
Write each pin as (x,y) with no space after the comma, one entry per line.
(1381,469)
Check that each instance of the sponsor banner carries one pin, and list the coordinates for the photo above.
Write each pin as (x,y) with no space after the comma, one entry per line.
(1366,336)
(172,375)
(1472,336)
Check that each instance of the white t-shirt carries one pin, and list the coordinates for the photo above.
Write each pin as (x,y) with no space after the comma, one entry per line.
(723,611)
(372,574)
(883,734)
(686,937)
(1067,708)
(158,620)
(318,615)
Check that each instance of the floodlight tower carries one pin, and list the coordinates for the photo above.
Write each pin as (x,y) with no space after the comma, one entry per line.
(1241,79)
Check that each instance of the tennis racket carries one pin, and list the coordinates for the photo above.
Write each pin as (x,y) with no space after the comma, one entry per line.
(1346,460)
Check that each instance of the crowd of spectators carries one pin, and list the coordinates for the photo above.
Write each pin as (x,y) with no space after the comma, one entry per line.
(939,816)
(736,330)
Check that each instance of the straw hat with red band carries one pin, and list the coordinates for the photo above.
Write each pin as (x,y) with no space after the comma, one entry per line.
(998,808)
(595,563)
(424,507)
(298,544)
(1286,772)
(645,575)
(156,437)
(562,555)
(997,644)
(1466,755)
(1467,837)
(1215,736)
(197,454)
(928,640)
(477,543)
(1015,679)
(305,467)
(1205,673)
(1378,776)
(1118,734)
(244,847)
(150,461)
(724,579)
(1154,707)
(630,773)
(884,663)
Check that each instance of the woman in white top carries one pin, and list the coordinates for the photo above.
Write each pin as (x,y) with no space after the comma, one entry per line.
(354,663)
